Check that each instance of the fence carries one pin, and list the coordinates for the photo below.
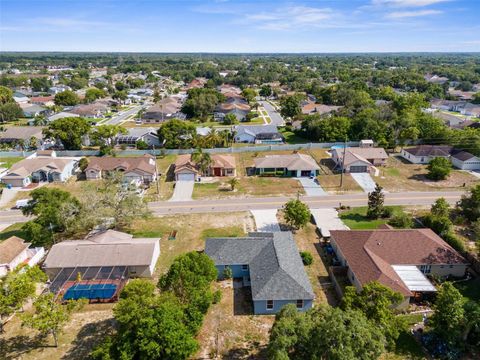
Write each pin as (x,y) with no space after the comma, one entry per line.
(252,148)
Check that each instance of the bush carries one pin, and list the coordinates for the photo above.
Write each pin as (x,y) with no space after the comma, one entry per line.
(454,241)
(439,169)
(217,296)
(227,273)
(307,258)
(388,212)
(401,221)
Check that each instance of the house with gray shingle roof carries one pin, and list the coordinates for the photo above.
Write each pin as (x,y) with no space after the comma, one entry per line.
(268,262)
(258,134)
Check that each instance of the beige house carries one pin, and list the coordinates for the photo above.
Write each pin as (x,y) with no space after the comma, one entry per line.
(359,159)
(222,165)
(44,167)
(141,168)
(400,259)
(104,249)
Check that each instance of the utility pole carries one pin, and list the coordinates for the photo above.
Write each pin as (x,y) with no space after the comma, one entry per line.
(343,161)
(156,170)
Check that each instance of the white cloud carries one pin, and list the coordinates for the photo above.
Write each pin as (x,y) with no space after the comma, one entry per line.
(407,3)
(69,23)
(294,17)
(410,14)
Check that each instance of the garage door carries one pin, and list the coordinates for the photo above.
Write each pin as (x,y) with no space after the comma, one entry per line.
(358,169)
(186,177)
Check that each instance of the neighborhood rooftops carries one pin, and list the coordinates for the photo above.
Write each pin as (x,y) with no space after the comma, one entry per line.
(21,133)
(291,162)
(371,254)
(430,150)
(276,269)
(108,248)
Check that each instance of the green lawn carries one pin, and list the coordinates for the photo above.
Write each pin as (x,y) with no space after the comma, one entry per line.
(470,289)
(7,162)
(292,138)
(230,231)
(356,218)
(12,230)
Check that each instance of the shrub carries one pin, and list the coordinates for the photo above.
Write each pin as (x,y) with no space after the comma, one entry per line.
(217,296)
(439,169)
(454,241)
(227,273)
(307,258)
(402,221)
(388,212)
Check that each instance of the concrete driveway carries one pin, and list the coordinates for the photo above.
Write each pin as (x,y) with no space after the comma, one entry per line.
(312,188)
(275,117)
(183,190)
(266,220)
(365,181)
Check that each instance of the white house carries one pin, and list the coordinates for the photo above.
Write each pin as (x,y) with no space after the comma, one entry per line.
(15,251)
(465,161)
(423,154)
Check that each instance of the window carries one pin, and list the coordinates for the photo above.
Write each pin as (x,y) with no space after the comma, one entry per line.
(426,269)
(451,266)
(269,304)
(300,304)
(244,267)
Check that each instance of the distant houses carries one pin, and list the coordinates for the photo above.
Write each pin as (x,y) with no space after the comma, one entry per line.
(25,135)
(268,262)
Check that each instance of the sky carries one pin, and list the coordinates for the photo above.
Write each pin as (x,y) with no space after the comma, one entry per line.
(229,26)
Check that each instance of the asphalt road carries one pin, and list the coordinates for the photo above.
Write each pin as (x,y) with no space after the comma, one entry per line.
(329,201)
(274,115)
(230,205)
(121,117)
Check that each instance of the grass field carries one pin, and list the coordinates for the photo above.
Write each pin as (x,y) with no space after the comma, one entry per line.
(399,175)
(331,184)
(12,230)
(292,138)
(7,162)
(356,218)
(248,186)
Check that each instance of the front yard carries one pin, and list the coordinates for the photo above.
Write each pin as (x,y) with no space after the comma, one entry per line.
(399,175)
(252,186)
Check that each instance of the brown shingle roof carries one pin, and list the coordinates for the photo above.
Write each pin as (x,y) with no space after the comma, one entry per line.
(184,162)
(430,150)
(370,254)
(22,132)
(26,167)
(11,248)
(361,154)
(144,163)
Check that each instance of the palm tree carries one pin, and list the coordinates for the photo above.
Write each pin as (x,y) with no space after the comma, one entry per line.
(202,159)
(233,182)
(213,138)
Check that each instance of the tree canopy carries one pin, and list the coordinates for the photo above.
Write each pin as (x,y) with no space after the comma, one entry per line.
(68,131)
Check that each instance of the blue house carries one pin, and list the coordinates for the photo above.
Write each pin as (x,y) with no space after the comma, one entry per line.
(268,262)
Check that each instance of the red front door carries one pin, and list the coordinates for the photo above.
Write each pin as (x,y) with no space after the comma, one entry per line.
(217,171)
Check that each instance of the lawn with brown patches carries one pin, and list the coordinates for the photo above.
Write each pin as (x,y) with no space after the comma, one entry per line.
(86,329)
(400,175)
(252,186)
(331,184)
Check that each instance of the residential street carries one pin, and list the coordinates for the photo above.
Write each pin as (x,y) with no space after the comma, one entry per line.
(230,205)
(329,201)
(122,116)
(274,115)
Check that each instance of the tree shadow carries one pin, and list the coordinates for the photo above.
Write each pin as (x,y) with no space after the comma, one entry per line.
(246,352)
(170,174)
(354,217)
(13,347)
(89,336)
